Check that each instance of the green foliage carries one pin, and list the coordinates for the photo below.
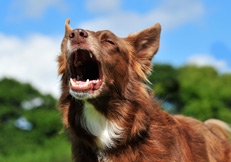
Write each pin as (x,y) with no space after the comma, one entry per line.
(165,83)
(14,92)
(54,150)
(43,142)
(200,92)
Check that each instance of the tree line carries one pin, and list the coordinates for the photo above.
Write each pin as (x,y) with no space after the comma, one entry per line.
(200,92)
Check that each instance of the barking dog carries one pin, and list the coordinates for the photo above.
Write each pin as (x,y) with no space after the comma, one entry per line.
(110,113)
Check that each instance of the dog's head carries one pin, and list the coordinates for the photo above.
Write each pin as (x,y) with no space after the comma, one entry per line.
(95,63)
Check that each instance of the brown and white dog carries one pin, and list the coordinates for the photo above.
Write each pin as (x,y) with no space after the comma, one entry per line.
(110,113)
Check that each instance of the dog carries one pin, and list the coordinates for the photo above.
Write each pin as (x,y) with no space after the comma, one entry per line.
(111,114)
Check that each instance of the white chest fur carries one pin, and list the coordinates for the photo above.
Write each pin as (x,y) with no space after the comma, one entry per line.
(98,125)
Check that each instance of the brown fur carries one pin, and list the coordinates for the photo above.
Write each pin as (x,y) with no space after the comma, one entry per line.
(148,133)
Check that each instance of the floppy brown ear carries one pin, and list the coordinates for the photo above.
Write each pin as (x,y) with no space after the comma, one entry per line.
(146,44)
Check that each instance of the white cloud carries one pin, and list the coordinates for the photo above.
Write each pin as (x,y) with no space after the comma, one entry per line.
(208,60)
(102,5)
(175,13)
(34,8)
(31,60)
(120,23)
(169,13)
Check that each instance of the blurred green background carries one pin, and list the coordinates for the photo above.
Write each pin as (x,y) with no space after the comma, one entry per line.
(30,123)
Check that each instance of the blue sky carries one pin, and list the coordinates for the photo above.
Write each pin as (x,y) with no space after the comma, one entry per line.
(193,32)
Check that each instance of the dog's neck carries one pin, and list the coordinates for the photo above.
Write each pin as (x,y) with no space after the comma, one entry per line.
(98,125)
(111,121)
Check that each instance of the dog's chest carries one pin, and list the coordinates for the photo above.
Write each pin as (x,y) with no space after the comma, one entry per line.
(99,126)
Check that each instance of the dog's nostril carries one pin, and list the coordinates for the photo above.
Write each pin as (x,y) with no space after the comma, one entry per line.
(83,33)
(72,35)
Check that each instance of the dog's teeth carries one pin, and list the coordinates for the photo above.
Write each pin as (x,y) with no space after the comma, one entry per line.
(78,77)
(72,82)
(87,82)
(91,55)
(96,81)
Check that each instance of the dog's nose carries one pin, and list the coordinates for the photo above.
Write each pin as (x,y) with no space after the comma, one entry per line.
(78,34)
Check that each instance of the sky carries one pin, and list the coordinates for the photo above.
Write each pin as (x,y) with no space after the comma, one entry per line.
(194,32)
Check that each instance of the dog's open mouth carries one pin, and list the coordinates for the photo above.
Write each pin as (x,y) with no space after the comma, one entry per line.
(85,71)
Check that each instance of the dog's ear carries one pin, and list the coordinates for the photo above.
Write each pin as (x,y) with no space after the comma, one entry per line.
(68,29)
(62,57)
(146,45)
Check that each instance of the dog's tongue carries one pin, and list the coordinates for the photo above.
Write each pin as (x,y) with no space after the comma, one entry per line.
(83,85)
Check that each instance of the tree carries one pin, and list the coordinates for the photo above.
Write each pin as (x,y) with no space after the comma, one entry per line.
(203,92)
(23,101)
(165,85)
(200,92)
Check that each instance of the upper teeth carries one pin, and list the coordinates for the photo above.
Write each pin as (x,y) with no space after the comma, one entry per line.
(91,55)
(79,77)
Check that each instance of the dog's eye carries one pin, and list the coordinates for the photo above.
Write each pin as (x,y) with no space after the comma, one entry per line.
(110,42)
